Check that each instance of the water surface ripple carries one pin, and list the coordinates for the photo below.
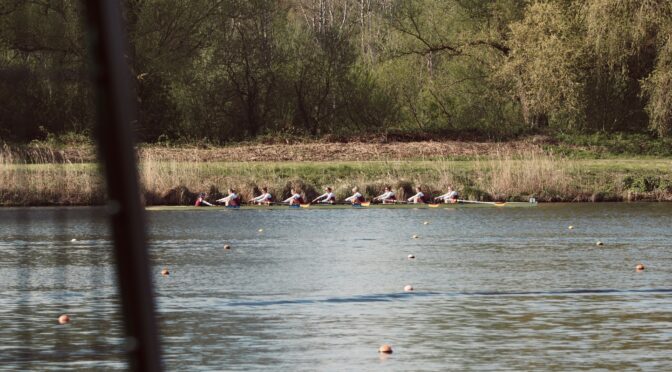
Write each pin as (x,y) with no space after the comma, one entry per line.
(495,289)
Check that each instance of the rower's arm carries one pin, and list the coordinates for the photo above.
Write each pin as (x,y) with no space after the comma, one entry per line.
(206,203)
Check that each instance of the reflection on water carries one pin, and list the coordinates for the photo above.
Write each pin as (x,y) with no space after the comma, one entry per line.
(495,288)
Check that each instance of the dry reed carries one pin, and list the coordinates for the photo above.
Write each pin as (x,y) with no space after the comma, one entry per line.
(40,177)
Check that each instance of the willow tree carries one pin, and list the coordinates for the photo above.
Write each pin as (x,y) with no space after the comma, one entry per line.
(634,39)
(547,64)
(658,87)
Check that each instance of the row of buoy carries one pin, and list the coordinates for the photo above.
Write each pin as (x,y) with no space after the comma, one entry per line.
(385,348)
(638,268)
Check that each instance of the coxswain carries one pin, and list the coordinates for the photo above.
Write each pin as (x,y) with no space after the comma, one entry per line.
(328,197)
(418,198)
(201,202)
(356,198)
(231,200)
(449,197)
(264,198)
(387,197)
(295,199)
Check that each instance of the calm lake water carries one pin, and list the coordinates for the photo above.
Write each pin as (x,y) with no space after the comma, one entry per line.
(495,289)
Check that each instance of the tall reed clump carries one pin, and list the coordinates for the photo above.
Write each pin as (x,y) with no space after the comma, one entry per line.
(508,175)
(167,181)
(44,178)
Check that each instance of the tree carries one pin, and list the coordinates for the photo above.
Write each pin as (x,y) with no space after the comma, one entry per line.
(546,65)
(632,38)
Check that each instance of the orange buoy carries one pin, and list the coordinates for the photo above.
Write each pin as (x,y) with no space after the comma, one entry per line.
(226,246)
(410,256)
(408,288)
(63,319)
(385,349)
(165,271)
(640,267)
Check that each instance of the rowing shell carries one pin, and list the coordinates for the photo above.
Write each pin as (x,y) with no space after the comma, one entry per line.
(460,204)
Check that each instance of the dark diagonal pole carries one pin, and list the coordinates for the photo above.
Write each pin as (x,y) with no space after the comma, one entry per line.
(115,148)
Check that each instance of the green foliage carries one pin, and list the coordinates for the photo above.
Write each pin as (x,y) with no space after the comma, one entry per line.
(213,71)
(658,88)
(647,183)
(632,38)
(545,66)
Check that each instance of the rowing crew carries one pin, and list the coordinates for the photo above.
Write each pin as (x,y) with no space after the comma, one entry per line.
(388,197)
(420,197)
(233,199)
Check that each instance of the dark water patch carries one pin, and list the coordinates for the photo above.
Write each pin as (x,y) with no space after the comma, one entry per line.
(417,294)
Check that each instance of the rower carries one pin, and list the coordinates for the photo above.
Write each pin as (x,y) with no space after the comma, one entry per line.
(418,198)
(201,202)
(231,200)
(327,197)
(295,199)
(387,197)
(264,198)
(356,198)
(449,197)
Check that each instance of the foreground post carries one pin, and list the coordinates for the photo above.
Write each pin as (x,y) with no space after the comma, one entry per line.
(116,152)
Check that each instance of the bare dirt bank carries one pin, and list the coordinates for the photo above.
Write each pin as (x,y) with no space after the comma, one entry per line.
(351,151)
(253,152)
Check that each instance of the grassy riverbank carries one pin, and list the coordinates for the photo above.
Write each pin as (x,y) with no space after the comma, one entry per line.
(510,172)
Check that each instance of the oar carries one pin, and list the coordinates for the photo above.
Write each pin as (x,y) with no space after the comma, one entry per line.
(272,203)
(278,203)
(496,204)
(308,205)
(409,203)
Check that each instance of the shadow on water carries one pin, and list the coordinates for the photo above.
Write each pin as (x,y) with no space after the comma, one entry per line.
(402,296)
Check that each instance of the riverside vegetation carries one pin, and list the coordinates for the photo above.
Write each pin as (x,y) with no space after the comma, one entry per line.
(217,72)
(230,70)
(44,175)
